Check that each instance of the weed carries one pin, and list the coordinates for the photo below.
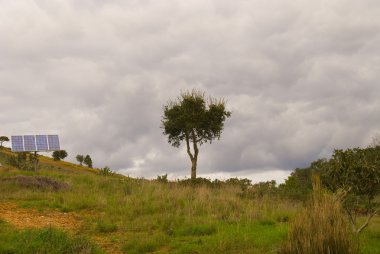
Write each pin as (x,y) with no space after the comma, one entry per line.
(106,227)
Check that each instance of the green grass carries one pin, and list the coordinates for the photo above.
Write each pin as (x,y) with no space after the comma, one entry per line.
(140,216)
(46,240)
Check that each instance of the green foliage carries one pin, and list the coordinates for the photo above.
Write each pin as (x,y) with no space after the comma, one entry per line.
(3,139)
(46,240)
(88,161)
(106,171)
(22,161)
(163,178)
(354,175)
(261,189)
(298,185)
(142,216)
(80,159)
(194,119)
(59,155)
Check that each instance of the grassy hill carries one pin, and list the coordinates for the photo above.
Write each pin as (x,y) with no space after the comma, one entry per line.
(66,208)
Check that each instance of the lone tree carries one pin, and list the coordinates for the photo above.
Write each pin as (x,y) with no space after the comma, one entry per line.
(194,119)
(59,155)
(88,161)
(3,139)
(80,159)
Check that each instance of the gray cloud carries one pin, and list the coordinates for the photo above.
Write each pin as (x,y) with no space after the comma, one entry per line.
(300,78)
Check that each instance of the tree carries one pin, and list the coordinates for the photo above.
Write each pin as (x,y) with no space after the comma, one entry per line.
(80,159)
(194,119)
(59,155)
(3,139)
(354,175)
(298,185)
(88,161)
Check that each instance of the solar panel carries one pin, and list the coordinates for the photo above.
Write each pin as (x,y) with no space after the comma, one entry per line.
(35,143)
(53,141)
(30,143)
(42,143)
(17,143)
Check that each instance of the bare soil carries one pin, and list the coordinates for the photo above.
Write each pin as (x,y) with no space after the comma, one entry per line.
(22,218)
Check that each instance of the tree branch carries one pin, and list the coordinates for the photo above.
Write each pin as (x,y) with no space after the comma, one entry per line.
(370,216)
(188,147)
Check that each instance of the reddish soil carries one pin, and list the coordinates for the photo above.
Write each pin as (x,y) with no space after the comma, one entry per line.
(30,218)
(22,218)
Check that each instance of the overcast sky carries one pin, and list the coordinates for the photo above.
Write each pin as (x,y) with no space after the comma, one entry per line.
(300,77)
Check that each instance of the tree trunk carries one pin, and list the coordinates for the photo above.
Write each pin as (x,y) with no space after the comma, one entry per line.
(193,169)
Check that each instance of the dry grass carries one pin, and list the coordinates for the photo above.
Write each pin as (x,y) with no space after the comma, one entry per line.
(321,228)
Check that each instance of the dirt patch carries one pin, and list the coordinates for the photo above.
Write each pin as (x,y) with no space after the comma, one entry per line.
(23,218)
(30,218)
(37,182)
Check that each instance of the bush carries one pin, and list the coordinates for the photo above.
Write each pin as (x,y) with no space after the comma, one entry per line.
(23,161)
(106,171)
(321,228)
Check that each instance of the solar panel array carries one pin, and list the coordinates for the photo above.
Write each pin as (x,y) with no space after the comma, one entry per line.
(34,143)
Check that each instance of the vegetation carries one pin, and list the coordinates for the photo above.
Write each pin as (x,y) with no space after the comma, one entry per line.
(106,171)
(354,175)
(3,139)
(194,119)
(45,240)
(320,228)
(80,159)
(87,161)
(118,214)
(59,155)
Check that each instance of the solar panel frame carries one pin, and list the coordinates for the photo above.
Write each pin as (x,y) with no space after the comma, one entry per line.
(53,141)
(30,143)
(42,143)
(17,143)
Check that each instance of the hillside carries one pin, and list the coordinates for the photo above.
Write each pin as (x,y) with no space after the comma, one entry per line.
(66,208)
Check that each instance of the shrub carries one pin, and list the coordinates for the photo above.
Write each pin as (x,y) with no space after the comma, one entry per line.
(106,171)
(320,228)
(162,178)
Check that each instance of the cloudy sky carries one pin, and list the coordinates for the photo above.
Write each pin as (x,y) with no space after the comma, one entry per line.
(300,77)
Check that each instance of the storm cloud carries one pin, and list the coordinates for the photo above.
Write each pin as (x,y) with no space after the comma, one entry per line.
(300,77)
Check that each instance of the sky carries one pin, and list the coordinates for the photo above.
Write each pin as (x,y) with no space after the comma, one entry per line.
(301,79)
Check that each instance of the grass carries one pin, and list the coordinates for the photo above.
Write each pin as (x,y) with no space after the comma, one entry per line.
(45,240)
(140,216)
(321,228)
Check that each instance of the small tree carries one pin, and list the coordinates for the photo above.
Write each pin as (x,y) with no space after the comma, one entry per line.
(354,175)
(59,155)
(80,159)
(194,119)
(88,161)
(3,139)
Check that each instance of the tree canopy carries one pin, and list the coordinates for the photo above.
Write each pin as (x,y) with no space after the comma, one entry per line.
(3,139)
(80,159)
(59,155)
(194,119)
(87,161)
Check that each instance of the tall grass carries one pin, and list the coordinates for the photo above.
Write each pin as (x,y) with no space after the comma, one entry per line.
(321,228)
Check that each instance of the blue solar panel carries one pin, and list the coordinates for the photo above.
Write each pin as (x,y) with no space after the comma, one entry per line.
(17,143)
(42,143)
(30,143)
(53,141)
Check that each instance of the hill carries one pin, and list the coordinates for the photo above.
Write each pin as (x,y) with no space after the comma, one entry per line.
(66,208)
